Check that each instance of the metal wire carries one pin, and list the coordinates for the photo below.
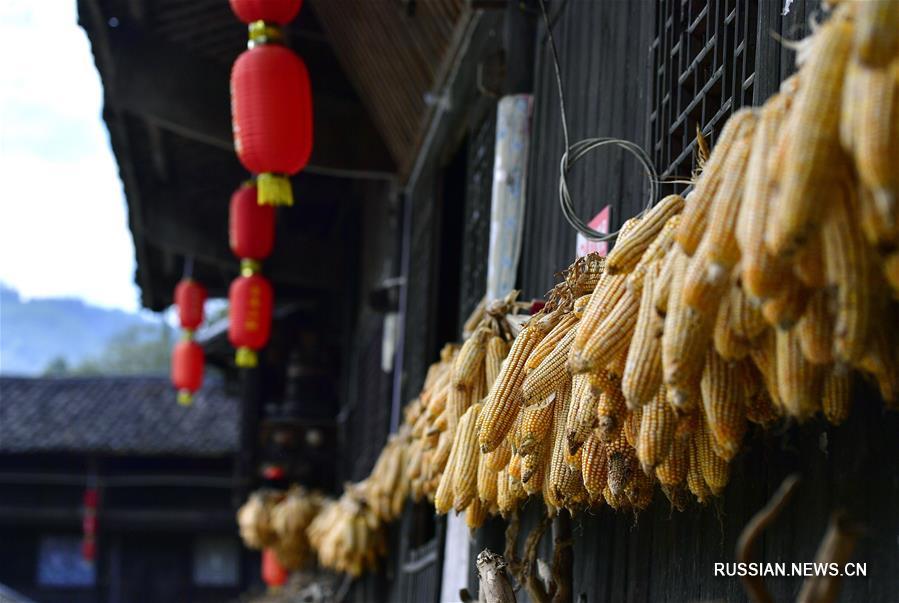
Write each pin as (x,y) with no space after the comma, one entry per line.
(573,153)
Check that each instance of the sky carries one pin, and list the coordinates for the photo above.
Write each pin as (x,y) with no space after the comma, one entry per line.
(63,219)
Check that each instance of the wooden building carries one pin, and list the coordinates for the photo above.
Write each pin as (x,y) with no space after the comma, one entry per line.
(385,252)
(165,479)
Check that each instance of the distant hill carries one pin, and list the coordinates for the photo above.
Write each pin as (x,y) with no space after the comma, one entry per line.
(33,333)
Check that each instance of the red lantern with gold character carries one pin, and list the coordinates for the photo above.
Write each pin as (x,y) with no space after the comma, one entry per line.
(189,299)
(251,226)
(270,11)
(250,314)
(271,113)
(273,573)
(187,369)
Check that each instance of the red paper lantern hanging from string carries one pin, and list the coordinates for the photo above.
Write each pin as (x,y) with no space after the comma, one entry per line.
(189,299)
(250,314)
(187,369)
(271,116)
(251,227)
(273,573)
(270,11)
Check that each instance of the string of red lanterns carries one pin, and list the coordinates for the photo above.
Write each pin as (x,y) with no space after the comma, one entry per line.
(271,100)
(188,360)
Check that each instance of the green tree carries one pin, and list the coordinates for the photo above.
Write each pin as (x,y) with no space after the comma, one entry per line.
(138,350)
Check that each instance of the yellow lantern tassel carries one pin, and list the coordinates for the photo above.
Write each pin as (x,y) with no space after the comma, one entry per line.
(274,189)
(246,358)
(185,397)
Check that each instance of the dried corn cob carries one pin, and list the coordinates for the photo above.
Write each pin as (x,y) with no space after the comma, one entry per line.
(475,514)
(761,410)
(812,149)
(470,358)
(891,271)
(497,350)
(504,499)
(835,402)
(607,293)
(611,337)
(684,340)
(695,482)
(594,467)
(808,265)
(502,404)
(724,404)
(610,413)
(798,380)
(656,433)
(715,470)
(443,497)
(549,375)
(639,491)
(882,359)
(499,458)
(643,369)
(850,268)
(695,216)
(534,468)
(552,340)
(626,254)
(564,480)
(705,283)
(727,343)
(760,271)
(582,413)
(654,254)
(622,462)
(785,310)
(815,329)
(536,422)
(662,284)
(631,427)
(673,470)
(465,465)
(877,32)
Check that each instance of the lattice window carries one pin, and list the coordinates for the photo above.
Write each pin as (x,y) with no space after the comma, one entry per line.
(703,70)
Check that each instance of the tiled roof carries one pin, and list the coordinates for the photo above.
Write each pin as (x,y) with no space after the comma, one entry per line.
(115,415)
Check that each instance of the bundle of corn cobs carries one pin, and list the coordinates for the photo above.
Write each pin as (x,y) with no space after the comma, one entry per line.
(278,520)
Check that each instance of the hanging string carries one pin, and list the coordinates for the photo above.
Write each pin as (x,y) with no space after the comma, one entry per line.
(188,266)
(573,153)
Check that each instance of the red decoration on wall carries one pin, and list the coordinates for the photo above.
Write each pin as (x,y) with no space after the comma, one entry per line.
(250,315)
(270,11)
(189,299)
(273,573)
(187,369)
(271,116)
(89,524)
(251,227)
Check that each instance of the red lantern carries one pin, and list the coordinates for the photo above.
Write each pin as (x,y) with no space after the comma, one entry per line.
(273,573)
(187,369)
(270,11)
(250,315)
(189,298)
(271,116)
(251,226)
(89,524)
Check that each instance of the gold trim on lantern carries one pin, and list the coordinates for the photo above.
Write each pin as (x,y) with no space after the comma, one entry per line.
(246,358)
(261,32)
(249,267)
(274,189)
(187,335)
(185,397)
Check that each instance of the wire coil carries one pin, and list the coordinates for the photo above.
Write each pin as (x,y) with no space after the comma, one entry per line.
(573,153)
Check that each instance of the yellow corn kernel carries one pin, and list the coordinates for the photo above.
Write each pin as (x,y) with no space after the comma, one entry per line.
(724,404)
(746,320)
(504,400)
(504,499)
(695,482)
(607,293)
(656,433)
(475,514)
(662,283)
(813,147)
(486,481)
(582,413)
(443,497)
(626,254)
(631,427)
(727,343)
(835,402)
(798,380)
(654,254)
(673,470)
(705,283)
(698,203)
(564,481)
(498,459)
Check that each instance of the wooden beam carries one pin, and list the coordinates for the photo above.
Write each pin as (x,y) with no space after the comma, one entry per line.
(187,94)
